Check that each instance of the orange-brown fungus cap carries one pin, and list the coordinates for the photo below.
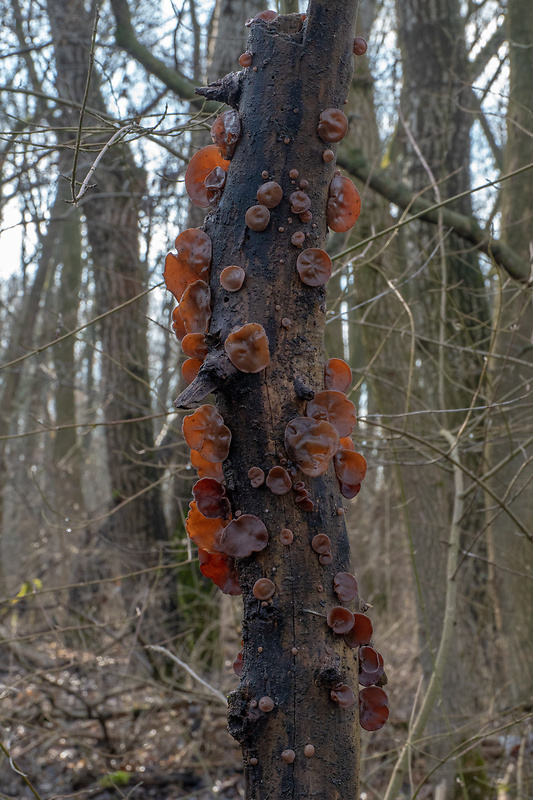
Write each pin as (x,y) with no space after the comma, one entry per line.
(232,278)
(321,543)
(195,307)
(244,536)
(270,194)
(337,375)
(206,469)
(201,164)
(311,444)
(205,533)
(267,16)
(349,490)
(205,431)
(256,476)
(266,704)
(342,695)
(373,708)
(300,202)
(222,572)
(245,60)
(360,633)
(247,348)
(211,499)
(279,481)
(190,262)
(194,346)
(298,238)
(309,751)
(325,558)
(345,586)
(328,156)
(335,408)
(344,205)
(257,217)
(238,666)
(226,131)
(350,467)
(263,589)
(288,756)
(345,443)
(190,369)
(332,125)
(314,266)
(340,619)
(286,536)
(304,501)
(359,46)
(214,184)
(178,325)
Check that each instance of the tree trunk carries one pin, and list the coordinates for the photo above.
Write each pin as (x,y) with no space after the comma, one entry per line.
(290,654)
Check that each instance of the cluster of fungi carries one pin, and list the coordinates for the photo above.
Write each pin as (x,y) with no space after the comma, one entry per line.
(314,441)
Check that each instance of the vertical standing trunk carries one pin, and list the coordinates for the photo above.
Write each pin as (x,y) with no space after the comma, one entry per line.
(289,653)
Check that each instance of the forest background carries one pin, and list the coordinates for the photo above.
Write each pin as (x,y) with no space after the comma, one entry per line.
(430,304)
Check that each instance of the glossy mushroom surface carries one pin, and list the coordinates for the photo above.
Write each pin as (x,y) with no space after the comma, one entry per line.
(337,375)
(321,543)
(211,499)
(247,348)
(194,346)
(279,481)
(263,589)
(300,202)
(206,469)
(361,631)
(332,125)
(350,467)
(269,194)
(232,278)
(201,164)
(226,131)
(205,533)
(190,263)
(243,536)
(314,266)
(257,217)
(311,444)
(195,307)
(256,476)
(190,369)
(345,587)
(373,708)
(344,205)
(204,431)
(340,620)
(221,570)
(335,408)
(343,695)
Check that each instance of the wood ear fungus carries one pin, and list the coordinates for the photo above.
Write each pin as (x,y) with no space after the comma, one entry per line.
(332,125)
(247,348)
(314,266)
(201,164)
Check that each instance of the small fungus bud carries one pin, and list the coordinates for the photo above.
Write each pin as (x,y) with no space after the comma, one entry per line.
(359,46)
(345,586)
(293,174)
(232,278)
(320,588)
(245,60)
(257,217)
(286,140)
(321,543)
(253,761)
(344,205)
(254,69)
(266,704)
(288,756)
(304,184)
(294,650)
(286,536)
(339,619)
(286,322)
(300,201)
(259,649)
(247,348)
(324,559)
(264,174)
(328,156)
(253,703)
(279,481)
(298,238)
(270,194)
(263,589)
(332,125)
(309,751)
(342,695)
(226,129)
(257,476)
(340,512)
(314,266)
(306,216)
(281,230)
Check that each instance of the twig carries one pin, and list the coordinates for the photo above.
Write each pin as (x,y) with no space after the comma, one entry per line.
(189,670)
(17,769)
(83,105)
(103,151)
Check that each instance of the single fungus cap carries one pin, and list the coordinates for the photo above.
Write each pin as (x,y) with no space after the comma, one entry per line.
(279,481)
(222,572)
(335,408)
(298,238)
(340,619)
(370,660)
(270,194)
(257,217)
(266,704)
(359,46)
(178,325)
(332,125)
(256,476)
(286,536)
(247,348)
(311,444)
(232,278)
(205,533)
(343,695)
(321,543)
(195,307)
(345,443)
(337,375)
(206,469)
(303,500)
(325,558)
(288,756)
(226,131)
(300,202)
(214,184)
(344,205)
(360,633)
(194,346)
(190,263)
(244,536)
(205,431)
(211,499)
(345,586)
(373,708)
(267,16)
(350,467)
(349,490)
(245,59)
(314,266)
(201,164)
(238,665)
(263,589)
(190,369)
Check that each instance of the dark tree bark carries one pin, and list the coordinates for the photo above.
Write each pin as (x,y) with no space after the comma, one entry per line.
(301,70)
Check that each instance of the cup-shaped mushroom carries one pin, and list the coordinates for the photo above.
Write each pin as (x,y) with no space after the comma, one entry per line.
(332,125)
(279,481)
(205,533)
(360,633)
(205,431)
(270,194)
(345,586)
(288,756)
(348,490)
(324,559)
(359,46)
(190,369)
(245,59)
(190,263)
(267,16)
(298,238)
(222,572)
(243,536)
(311,444)
(345,443)
(238,665)
(300,202)
(247,348)
(306,216)
(286,536)
(263,589)
(343,695)
(266,704)
(195,307)
(335,408)
(201,164)
(321,543)
(206,469)
(178,325)
(214,184)
(350,467)
(314,266)
(256,476)
(370,661)
(344,205)
(226,131)
(211,499)
(373,708)
(340,620)
(194,346)
(257,217)
(303,501)
(328,156)
(232,278)
(337,375)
